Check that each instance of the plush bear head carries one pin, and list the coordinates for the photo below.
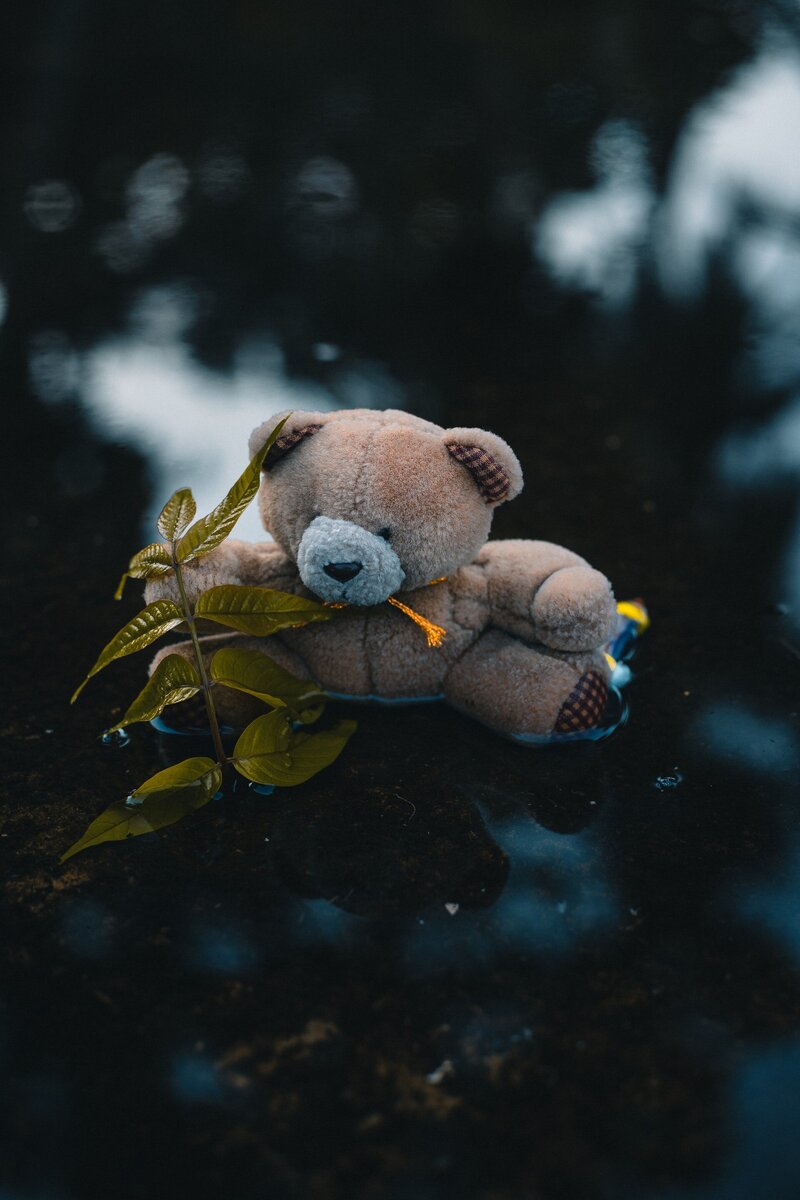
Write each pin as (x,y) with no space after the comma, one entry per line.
(370,503)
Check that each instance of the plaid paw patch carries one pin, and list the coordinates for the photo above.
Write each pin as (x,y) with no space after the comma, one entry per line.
(584,706)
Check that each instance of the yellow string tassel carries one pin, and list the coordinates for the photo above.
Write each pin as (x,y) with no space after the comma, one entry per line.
(434,634)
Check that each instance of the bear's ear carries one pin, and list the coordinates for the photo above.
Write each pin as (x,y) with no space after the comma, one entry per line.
(490,461)
(299,426)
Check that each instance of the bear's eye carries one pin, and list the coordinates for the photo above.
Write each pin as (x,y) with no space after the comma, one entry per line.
(385,533)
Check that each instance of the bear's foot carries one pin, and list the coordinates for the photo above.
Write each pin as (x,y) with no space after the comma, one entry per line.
(530,693)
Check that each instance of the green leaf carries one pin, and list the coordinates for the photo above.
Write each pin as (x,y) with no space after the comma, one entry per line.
(191,773)
(174,679)
(145,628)
(149,563)
(255,673)
(176,514)
(212,529)
(270,751)
(161,801)
(258,610)
(154,560)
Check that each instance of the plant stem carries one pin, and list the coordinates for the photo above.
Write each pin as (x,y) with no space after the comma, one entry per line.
(222,757)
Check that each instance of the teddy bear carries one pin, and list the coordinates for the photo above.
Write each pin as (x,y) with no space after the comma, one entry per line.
(386,516)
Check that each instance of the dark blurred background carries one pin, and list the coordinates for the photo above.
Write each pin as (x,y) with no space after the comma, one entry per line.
(449,967)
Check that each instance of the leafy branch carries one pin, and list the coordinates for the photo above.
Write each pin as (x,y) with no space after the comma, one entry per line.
(276,748)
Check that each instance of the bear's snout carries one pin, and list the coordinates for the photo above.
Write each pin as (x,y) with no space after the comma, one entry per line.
(346,563)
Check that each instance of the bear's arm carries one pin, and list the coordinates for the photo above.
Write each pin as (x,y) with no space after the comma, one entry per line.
(260,563)
(543,593)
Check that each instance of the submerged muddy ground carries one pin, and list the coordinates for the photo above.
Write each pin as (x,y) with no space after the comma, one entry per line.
(449,966)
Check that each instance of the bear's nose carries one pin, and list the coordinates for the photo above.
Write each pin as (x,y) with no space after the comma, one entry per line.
(342,571)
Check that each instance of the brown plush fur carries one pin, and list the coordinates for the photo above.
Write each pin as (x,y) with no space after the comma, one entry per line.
(525,620)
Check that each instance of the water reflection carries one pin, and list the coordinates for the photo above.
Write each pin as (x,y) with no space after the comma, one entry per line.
(223,948)
(545,975)
(223,174)
(558,890)
(738,144)
(52,206)
(753,741)
(190,423)
(325,189)
(154,212)
(765,460)
(763,1153)
(87,928)
(147,390)
(376,853)
(593,241)
(195,1080)
(774,904)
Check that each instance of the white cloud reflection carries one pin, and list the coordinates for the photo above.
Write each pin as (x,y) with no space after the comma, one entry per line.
(145,390)
(592,241)
(740,144)
(189,422)
(734,190)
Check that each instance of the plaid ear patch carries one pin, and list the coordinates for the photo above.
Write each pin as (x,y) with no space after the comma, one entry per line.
(491,477)
(287,442)
(584,706)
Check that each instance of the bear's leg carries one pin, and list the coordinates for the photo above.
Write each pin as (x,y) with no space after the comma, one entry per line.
(521,689)
(235,709)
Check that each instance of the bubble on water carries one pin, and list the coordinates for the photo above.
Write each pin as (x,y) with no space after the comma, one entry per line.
(666,783)
(118,737)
